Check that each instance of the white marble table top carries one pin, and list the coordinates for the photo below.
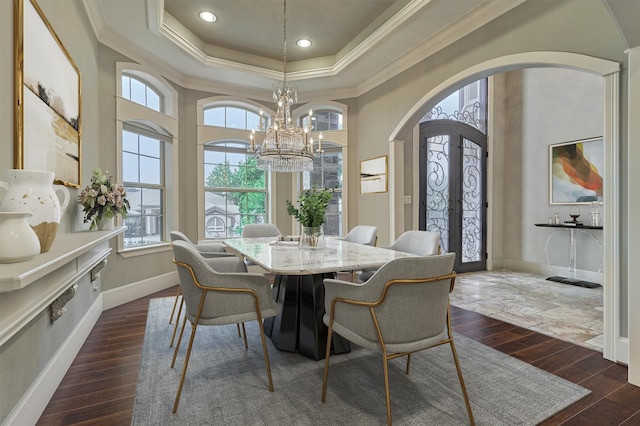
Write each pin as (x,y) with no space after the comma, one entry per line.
(286,258)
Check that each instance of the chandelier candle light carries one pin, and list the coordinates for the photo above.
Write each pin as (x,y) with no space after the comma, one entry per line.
(285,147)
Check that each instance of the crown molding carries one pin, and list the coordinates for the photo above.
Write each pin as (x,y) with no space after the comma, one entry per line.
(464,26)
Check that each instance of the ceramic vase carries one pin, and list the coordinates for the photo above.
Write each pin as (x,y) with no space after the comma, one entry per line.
(105,224)
(312,238)
(32,191)
(19,242)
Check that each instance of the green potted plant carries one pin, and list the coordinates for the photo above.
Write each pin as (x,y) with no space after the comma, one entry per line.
(312,206)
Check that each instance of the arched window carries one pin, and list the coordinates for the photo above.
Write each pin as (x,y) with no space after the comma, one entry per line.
(324,120)
(235,189)
(147,153)
(233,117)
(140,92)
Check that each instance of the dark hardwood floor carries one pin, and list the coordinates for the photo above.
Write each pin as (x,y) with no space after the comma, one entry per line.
(100,386)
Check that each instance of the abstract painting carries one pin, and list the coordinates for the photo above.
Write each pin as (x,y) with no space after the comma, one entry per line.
(373,175)
(576,171)
(47,98)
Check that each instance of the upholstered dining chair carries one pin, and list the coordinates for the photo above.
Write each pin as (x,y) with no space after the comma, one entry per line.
(421,243)
(402,309)
(208,250)
(361,234)
(214,297)
(259,230)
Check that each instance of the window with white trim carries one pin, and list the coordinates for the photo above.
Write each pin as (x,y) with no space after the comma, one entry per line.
(146,156)
(141,92)
(327,173)
(235,189)
(233,117)
(323,120)
(143,177)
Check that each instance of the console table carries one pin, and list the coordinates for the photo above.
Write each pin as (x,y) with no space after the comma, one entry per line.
(572,253)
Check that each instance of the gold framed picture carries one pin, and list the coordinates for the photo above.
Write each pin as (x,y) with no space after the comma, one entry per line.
(47,98)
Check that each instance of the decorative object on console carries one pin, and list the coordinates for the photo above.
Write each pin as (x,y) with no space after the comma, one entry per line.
(19,241)
(311,214)
(285,147)
(103,200)
(32,191)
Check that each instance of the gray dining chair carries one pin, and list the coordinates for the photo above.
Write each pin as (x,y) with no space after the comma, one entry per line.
(225,295)
(259,230)
(361,234)
(421,243)
(208,250)
(402,309)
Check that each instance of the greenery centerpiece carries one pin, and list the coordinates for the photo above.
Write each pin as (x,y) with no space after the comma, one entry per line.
(102,200)
(312,206)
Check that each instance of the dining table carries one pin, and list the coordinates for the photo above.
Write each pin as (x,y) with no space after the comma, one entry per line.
(298,286)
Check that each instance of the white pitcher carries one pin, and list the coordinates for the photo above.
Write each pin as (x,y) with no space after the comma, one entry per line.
(32,191)
(19,242)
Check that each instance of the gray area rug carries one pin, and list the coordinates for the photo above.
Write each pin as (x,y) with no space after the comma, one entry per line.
(227,385)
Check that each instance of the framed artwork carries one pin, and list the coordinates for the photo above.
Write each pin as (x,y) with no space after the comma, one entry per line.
(47,98)
(576,172)
(373,175)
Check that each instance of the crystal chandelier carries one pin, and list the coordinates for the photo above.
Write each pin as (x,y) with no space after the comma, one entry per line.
(285,147)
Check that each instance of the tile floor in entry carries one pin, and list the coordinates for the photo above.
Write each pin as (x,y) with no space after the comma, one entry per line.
(568,312)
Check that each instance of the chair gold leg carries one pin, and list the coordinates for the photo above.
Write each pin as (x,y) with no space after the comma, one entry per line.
(175,327)
(266,354)
(175,353)
(385,368)
(184,368)
(326,363)
(408,364)
(175,302)
(244,333)
(472,422)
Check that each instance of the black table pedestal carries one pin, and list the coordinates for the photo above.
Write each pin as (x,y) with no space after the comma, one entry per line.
(298,326)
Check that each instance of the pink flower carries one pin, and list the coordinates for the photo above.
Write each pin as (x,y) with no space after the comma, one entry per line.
(102,200)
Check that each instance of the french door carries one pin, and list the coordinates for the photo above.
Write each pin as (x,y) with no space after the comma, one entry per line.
(453,158)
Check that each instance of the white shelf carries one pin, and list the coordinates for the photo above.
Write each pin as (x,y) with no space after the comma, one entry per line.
(65,248)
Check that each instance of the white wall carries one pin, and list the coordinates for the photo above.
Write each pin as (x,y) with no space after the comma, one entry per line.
(546,106)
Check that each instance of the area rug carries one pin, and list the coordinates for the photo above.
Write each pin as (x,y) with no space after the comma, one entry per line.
(227,384)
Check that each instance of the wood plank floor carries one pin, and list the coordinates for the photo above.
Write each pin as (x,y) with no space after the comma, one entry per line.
(99,388)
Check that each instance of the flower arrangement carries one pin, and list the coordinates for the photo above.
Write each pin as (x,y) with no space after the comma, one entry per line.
(103,199)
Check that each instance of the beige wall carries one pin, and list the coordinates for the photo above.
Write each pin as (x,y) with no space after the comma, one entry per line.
(579,26)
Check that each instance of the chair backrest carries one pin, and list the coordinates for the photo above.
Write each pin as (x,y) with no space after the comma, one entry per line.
(410,311)
(362,234)
(179,236)
(257,230)
(217,304)
(421,243)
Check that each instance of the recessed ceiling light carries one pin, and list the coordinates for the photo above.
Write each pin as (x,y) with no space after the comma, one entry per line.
(207,16)
(304,43)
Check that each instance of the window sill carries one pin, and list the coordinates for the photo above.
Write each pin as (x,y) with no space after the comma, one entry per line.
(143,251)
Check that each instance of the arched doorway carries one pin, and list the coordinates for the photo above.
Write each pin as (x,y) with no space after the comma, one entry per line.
(615,346)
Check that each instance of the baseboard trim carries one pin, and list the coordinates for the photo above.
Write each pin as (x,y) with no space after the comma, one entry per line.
(35,400)
(127,293)
(544,270)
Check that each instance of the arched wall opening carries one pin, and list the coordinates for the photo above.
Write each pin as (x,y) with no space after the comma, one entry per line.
(615,346)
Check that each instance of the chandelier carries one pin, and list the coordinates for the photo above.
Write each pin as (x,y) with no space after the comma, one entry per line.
(285,146)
